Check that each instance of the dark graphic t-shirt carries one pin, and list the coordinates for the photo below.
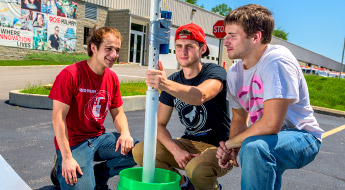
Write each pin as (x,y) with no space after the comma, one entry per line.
(210,121)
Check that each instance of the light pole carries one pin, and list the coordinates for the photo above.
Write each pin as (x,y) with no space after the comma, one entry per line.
(342,58)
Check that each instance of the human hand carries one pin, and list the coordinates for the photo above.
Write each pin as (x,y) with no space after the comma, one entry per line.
(156,78)
(70,167)
(125,141)
(182,158)
(233,155)
(224,156)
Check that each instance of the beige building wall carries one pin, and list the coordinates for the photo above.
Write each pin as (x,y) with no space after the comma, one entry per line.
(121,20)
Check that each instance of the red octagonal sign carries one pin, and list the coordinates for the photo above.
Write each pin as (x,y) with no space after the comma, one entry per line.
(219,29)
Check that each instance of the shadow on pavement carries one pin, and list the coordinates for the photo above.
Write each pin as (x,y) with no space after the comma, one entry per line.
(49,187)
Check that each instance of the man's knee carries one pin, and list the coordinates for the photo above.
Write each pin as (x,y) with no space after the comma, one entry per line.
(204,167)
(138,153)
(253,147)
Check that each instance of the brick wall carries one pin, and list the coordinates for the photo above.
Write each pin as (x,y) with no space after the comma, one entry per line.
(120,19)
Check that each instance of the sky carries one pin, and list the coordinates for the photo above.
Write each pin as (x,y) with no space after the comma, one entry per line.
(316,25)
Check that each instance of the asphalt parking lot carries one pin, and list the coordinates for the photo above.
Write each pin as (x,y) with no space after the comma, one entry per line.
(26,143)
(26,137)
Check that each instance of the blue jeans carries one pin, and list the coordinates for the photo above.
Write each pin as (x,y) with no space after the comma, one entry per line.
(102,150)
(265,158)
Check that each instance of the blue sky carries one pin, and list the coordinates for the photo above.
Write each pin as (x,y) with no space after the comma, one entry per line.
(317,25)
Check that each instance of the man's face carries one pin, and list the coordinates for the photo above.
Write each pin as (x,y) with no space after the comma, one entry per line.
(237,43)
(57,31)
(188,52)
(108,51)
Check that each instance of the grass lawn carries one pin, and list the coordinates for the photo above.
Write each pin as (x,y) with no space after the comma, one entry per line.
(326,92)
(127,89)
(46,58)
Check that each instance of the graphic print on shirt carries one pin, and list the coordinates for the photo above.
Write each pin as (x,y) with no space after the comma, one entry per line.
(251,99)
(98,106)
(193,117)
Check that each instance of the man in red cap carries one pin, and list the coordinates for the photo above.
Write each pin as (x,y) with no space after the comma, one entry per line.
(198,93)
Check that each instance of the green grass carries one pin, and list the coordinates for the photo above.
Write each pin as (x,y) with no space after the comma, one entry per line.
(326,92)
(127,89)
(323,92)
(46,58)
(57,57)
(35,89)
(30,63)
(133,88)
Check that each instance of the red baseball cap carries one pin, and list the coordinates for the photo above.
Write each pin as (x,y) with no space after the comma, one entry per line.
(197,34)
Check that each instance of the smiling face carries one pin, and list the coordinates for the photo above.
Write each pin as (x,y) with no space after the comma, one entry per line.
(237,43)
(108,52)
(188,52)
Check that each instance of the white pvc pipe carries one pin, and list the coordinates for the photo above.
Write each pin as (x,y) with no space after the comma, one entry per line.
(151,112)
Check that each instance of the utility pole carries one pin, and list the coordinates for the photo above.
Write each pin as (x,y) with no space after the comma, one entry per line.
(342,59)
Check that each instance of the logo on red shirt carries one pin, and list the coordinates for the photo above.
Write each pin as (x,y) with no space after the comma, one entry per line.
(98,106)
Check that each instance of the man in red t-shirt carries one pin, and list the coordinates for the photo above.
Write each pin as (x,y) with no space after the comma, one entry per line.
(82,95)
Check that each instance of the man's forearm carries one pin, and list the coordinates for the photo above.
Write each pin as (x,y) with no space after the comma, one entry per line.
(121,123)
(62,139)
(188,94)
(164,137)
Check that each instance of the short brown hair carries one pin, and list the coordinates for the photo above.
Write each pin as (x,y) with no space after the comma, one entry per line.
(253,18)
(188,32)
(97,35)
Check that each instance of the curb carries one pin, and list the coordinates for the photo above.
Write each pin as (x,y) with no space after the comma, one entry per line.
(130,103)
(328,111)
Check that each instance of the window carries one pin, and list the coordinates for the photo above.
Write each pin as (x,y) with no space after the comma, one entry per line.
(86,34)
(91,11)
(137,27)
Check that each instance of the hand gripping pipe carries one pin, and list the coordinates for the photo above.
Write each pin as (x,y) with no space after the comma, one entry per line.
(159,39)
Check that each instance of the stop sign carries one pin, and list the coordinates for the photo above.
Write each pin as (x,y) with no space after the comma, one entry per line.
(219,29)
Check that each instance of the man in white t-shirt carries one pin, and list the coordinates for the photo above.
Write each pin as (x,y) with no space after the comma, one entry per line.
(266,89)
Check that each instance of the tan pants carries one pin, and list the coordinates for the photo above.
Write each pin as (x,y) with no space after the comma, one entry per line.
(202,170)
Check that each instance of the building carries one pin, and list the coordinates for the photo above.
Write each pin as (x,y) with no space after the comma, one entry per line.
(20,34)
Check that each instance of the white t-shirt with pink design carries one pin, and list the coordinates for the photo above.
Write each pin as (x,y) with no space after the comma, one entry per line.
(276,75)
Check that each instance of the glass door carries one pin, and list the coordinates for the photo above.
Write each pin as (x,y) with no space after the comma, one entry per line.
(136,47)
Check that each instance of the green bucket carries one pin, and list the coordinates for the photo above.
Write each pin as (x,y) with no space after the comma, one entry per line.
(131,179)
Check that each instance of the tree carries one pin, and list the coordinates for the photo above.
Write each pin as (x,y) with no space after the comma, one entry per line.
(280,33)
(222,9)
(191,1)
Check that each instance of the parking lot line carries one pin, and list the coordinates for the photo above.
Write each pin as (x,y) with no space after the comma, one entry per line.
(333,131)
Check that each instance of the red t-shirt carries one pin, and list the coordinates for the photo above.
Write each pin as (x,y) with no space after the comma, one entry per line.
(90,96)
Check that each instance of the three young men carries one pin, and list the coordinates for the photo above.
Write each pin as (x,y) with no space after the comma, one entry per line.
(82,94)
(198,93)
(268,87)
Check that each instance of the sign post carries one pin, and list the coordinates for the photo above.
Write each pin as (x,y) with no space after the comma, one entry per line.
(219,32)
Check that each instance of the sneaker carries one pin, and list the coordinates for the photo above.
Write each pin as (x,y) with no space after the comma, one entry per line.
(53,176)
(219,187)
(189,185)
